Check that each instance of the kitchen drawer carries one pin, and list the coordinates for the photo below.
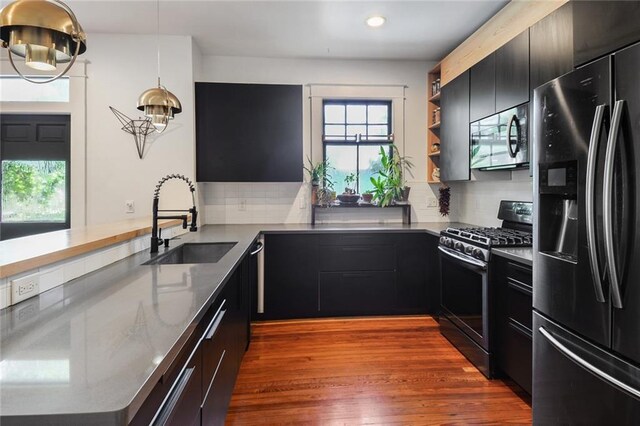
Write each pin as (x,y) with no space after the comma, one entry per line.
(182,405)
(356,239)
(520,273)
(215,340)
(357,292)
(218,391)
(357,258)
(519,303)
(517,348)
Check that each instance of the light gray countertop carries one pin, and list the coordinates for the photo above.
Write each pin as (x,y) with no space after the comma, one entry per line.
(518,254)
(91,350)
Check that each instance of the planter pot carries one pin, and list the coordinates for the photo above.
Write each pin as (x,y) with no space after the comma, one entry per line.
(405,193)
(367,198)
(314,194)
(348,198)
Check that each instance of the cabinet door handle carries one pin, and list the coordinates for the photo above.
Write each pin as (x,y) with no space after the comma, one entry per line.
(215,324)
(357,275)
(356,249)
(213,379)
(172,399)
(521,287)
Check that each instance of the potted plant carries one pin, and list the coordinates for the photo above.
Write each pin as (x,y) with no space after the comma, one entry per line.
(349,195)
(390,185)
(321,184)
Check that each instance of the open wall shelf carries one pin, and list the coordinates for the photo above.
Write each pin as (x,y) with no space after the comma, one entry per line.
(433,123)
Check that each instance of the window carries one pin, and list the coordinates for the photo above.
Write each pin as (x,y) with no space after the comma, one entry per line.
(34,174)
(15,89)
(353,133)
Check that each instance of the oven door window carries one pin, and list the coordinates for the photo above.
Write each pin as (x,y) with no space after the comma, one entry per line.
(462,293)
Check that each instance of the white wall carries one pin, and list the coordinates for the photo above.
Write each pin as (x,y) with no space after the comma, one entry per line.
(120,68)
(274,202)
(476,202)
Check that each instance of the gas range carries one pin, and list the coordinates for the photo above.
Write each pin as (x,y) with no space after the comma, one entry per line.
(516,231)
(464,286)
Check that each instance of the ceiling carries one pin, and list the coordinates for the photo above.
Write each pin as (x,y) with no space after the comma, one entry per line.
(415,30)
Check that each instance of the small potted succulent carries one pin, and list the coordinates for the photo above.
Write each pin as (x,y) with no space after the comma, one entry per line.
(349,195)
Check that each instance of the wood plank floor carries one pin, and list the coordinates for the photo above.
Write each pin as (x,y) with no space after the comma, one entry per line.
(382,371)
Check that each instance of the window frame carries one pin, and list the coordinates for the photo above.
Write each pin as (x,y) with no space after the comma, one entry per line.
(37,151)
(357,141)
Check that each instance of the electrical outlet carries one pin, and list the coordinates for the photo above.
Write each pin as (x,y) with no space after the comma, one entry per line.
(24,288)
(242,206)
(432,202)
(129,206)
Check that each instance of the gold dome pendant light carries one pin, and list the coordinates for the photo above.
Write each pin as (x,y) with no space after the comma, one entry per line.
(159,104)
(43,32)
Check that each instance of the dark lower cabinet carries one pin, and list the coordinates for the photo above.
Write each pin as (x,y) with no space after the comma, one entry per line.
(182,407)
(339,274)
(514,345)
(197,386)
(290,276)
(356,293)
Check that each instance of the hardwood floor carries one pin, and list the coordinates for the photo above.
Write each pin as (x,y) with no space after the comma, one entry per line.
(383,371)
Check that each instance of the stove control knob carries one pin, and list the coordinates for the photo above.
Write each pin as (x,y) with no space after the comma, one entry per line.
(442,240)
(469,250)
(458,246)
(478,254)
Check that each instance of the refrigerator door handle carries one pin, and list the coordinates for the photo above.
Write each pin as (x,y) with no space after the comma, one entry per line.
(590,203)
(607,213)
(588,366)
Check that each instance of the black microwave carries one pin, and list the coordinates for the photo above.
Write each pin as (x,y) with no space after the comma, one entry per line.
(501,141)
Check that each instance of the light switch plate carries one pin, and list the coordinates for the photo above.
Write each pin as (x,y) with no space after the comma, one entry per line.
(24,288)
(432,202)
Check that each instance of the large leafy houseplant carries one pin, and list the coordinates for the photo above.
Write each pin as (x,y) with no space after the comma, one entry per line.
(389,185)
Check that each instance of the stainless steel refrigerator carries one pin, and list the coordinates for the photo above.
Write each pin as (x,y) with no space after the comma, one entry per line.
(586,272)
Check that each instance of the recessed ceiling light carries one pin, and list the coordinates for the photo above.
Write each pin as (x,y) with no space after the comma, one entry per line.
(376,21)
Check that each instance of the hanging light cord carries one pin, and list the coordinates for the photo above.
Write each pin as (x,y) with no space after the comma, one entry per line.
(158,37)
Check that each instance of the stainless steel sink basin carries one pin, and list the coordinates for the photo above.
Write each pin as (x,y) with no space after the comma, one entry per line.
(193,253)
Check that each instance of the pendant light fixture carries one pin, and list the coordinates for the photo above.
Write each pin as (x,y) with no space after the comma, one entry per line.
(159,104)
(43,32)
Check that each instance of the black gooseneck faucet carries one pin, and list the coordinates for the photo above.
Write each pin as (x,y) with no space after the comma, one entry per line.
(156,232)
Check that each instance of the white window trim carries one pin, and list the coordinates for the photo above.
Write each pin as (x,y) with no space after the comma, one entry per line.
(76,108)
(318,93)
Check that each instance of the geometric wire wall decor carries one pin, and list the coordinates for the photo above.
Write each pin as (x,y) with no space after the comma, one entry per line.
(139,128)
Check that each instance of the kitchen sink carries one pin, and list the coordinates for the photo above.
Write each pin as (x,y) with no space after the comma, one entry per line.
(193,253)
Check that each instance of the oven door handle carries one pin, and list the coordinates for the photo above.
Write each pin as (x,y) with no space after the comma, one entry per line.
(462,258)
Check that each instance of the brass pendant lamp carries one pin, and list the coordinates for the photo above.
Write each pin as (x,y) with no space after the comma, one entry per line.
(43,32)
(159,104)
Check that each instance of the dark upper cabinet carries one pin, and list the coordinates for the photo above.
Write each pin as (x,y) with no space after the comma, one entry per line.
(512,73)
(551,46)
(454,130)
(248,132)
(482,88)
(602,27)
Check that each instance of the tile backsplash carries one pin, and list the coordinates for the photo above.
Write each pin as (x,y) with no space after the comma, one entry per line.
(238,203)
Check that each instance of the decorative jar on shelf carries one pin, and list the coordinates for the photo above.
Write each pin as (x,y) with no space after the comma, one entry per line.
(435,175)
